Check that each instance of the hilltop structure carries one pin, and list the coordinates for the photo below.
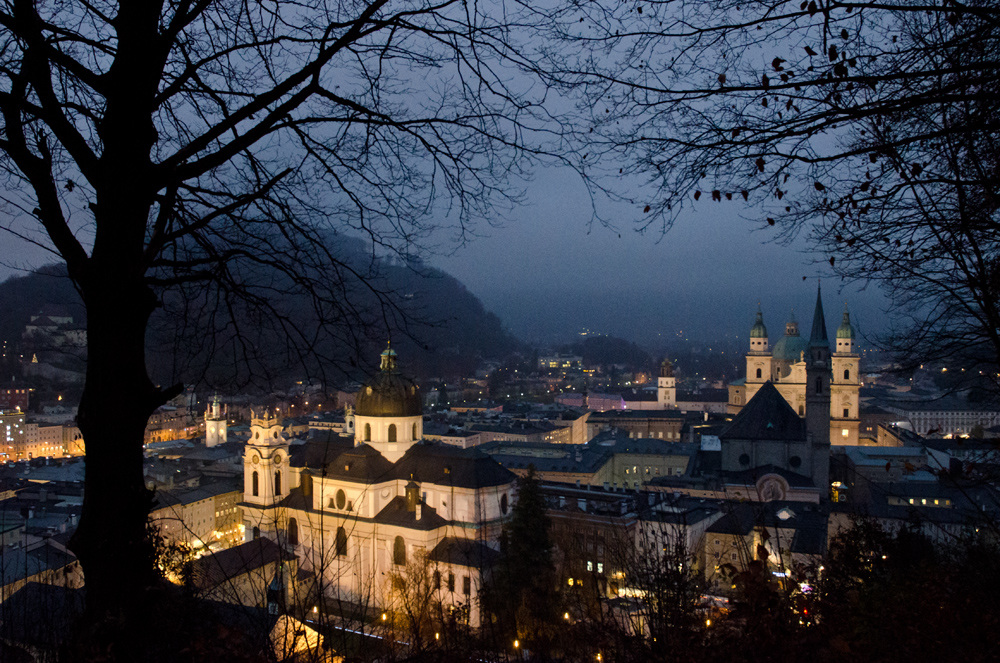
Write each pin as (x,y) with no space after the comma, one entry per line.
(786,366)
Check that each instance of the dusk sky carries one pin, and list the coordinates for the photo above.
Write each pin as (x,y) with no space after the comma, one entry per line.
(548,274)
(547,277)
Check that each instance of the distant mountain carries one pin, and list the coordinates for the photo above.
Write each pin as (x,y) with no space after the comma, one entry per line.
(24,296)
(439,329)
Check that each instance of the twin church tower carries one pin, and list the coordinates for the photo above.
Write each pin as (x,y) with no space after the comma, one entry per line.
(795,362)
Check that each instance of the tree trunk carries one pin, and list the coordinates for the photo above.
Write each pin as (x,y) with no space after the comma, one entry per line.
(111,542)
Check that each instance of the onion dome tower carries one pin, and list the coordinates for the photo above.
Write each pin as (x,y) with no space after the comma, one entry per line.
(845,334)
(388,411)
(758,333)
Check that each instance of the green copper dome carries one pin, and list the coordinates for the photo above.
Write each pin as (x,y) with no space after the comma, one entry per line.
(758,330)
(845,330)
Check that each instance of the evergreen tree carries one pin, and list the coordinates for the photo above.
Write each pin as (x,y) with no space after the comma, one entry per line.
(522,597)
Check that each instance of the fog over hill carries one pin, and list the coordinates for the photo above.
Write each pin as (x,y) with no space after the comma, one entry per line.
(445,330)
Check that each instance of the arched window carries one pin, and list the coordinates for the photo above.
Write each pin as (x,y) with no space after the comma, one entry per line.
(759,373)
(414,436)
(819,384)
(277,482)
(340,544)
(293,532)
(399,552)
(255,484)
(847,374)
(368,432)
(392,432)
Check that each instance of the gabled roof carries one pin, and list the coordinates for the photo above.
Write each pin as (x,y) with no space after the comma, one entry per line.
(767,416)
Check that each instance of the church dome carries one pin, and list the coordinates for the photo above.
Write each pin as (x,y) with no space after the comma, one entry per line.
(791,346)
(389,394)
(758,330)
(845,330)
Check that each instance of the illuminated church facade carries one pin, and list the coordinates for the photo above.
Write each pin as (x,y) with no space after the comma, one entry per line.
(784,365)
(365,518)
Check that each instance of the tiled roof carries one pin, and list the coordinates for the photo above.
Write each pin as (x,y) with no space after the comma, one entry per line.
(213,570)
(447,465)
(361,463)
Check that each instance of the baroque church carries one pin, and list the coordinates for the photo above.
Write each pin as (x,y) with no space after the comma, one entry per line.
(784,365)
(777,447)
(364,517)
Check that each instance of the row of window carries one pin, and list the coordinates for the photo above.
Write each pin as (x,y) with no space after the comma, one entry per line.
(391,433)
(847,374)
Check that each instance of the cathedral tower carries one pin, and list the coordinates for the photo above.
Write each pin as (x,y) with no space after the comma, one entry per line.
(818,376)
(759,359)
(845,418)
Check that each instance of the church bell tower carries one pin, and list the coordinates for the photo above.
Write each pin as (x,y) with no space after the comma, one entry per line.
(818,376)
(215,424)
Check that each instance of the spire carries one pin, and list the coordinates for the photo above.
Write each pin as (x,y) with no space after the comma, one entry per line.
(758,330)
(818,335)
